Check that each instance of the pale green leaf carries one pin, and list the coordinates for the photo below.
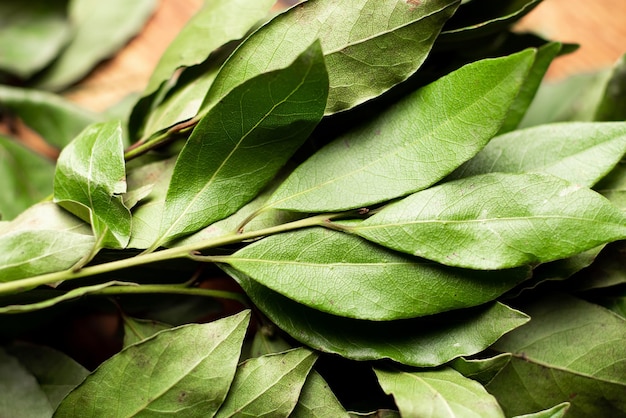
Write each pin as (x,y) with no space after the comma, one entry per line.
(25,177)
(496,221)
(100,29)
(268,385)
(20,393)
(442,393)
(259,125)
(31,34)
(612,105)
(481,370)
(347,276)
(422,342)
(136,330)
(186,370)
(579,152)
(46,216)
(558,411)
(571,351)
(317,400)
(368,46)
(267,340)
(413,144)
(613,186)
(89,180)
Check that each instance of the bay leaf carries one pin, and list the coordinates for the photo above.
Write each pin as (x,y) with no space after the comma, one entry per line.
(483,370)
(613,101)
(558,411)
(317,400)
(613,186)
(136,330)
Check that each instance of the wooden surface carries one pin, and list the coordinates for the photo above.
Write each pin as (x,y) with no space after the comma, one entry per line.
(598,25)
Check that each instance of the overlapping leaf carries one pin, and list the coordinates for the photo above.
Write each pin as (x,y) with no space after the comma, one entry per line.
(481,370)
(346,276)
(411,145)
(259,125)
(168,373)
(368,46)
(496,221)
(612,105)
(558,411)
(136,330)
(317,400)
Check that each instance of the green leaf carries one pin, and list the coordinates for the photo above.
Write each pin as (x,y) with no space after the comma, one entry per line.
(422,342)
(25,178)
(345,275)
(136,330)
(607,269)
(496,221)
(579,152)
(168,374)
(57,120)
(267,340)
(437,394)
(259,125)
(612,105)
(45,216)
(20,393)
(56,373)
(368,46)
(89,180)
(100,29)
(412,145)
(613,186)
(381,413)
(268,385)
(31,34)
(571,351)
(481,370)
(558,411)
(317,400)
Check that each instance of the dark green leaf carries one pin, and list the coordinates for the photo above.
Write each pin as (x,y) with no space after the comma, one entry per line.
(136,330)
(613,186)
(606,271)
(267,340)
(413,144)
(268,385)
(422,342)
(368,46)
(612,105)
(317,400)
(481,370)
(345,275)
(571,351)
(579,152)
(558,411)
(89,180)
(25,178)
(497,221)
(443,393)
(168,374)
(259,125)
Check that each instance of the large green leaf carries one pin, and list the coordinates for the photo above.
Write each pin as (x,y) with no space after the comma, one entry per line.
(259,125)
(413,144)
(422,342)
(89,180)
(612,105)
(368,46)
(31,34)
(100,29)
(571,351)
(25,178)
(268,385)
(347,276)
(442,393)
(317,400)
(496,221)
(186,370)
(57,120)
(580,152)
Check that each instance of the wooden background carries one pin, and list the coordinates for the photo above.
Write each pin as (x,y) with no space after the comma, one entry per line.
(598,25)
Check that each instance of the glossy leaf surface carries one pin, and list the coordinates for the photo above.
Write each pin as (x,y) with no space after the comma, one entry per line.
(368,46)
(496,221)
(89,180)
(346,276)
(422,342)
(410,146)
(268,385)
(437,394)
(317,400)
(579,152)
(168,373)
(259,125)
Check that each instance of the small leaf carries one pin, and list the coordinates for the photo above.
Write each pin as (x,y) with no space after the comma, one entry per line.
(268,341)
(579,152)
(437,394)
(101,28)
(554,351)
(481,370)
(317,400)
(346,276)
(168,374)
(20,393)
(368,46)
(25,178)
(421,342)
(612,105)
(410,146)
(136,330)
(259,125)
(497,221)
(268,385)
(558,411)
(89,179)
